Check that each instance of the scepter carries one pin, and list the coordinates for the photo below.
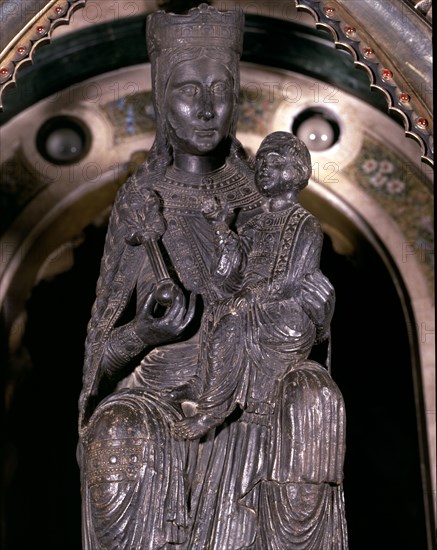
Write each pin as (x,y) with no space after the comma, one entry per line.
(147,229)
(164,282)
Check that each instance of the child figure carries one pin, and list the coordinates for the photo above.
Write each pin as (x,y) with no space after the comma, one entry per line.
(285,304)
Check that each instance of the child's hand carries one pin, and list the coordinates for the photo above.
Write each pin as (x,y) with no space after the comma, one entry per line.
(213,210)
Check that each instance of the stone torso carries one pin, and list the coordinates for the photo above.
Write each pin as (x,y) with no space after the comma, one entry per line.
(271,243)
(189,238)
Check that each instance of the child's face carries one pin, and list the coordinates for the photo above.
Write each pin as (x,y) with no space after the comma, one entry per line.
(274,172)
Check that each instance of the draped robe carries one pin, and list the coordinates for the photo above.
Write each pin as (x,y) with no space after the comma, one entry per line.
(268,479)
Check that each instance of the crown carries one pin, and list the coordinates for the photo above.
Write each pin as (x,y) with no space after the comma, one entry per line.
(203,26)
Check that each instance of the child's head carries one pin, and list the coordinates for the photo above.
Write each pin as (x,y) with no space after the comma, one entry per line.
(283,164)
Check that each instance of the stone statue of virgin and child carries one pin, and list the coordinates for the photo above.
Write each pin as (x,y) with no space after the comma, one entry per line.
(203,422)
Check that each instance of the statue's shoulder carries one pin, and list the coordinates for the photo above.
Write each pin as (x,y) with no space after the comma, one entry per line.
(132,195)
(250,199)
(306,215)
(242,163)
(136,184)
(308,223)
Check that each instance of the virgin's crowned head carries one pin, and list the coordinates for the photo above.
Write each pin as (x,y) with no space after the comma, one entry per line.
(195,77)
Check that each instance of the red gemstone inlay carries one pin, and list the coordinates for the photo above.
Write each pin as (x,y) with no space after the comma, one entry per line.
(40,30)
(58,9)
(405,98)
(4,71)
(386,74)
(21,50)
(368,52)
(422,122)
(350,30)
(329,10)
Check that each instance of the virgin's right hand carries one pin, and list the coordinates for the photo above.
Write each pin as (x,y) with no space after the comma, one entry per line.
(156,330)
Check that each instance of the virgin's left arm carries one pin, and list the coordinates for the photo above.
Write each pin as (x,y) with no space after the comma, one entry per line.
(305,280)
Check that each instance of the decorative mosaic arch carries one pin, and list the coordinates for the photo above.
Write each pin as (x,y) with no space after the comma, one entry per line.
(360,28)
(375,173)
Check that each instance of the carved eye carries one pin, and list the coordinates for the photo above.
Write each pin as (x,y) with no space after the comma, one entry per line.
(189,90)
(274,160)
(219,88)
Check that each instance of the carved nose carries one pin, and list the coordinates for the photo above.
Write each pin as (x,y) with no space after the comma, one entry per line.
(205,114)
(206,111)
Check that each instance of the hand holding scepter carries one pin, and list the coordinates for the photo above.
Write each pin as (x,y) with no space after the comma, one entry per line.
(148,228)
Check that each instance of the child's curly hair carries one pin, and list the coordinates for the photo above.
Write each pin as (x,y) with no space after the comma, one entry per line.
(294,148)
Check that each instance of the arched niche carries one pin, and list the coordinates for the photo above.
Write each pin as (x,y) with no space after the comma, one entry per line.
(365,232)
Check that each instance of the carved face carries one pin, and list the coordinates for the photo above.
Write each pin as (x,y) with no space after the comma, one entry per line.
(275,172)
(199,106)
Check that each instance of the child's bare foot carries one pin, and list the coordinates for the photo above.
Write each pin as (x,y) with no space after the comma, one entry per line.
(194,427)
